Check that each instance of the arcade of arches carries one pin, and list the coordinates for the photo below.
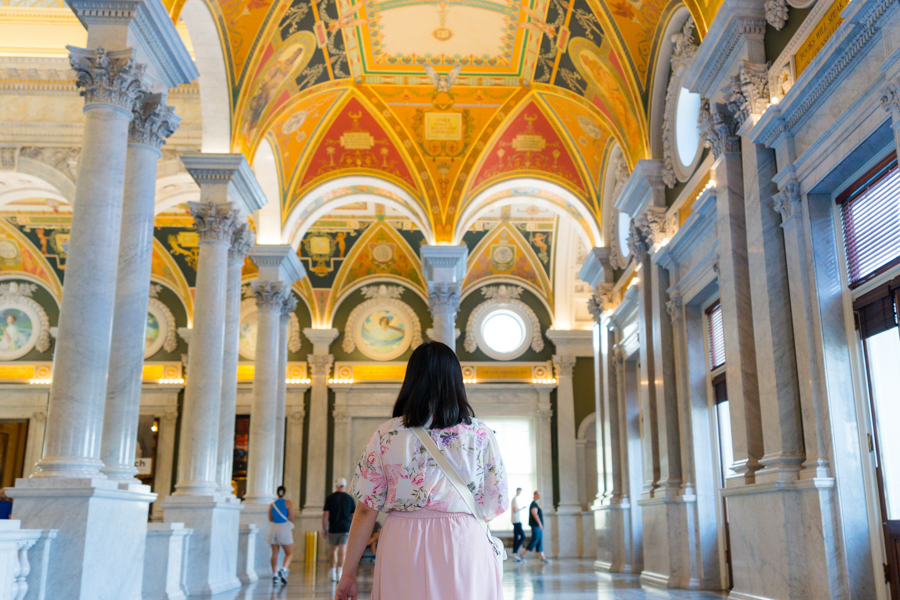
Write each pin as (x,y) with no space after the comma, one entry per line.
(661,236)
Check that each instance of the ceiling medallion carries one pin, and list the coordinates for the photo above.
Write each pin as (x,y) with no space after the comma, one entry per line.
(442,34)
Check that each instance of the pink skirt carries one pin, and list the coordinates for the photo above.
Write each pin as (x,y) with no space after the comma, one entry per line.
(428,555)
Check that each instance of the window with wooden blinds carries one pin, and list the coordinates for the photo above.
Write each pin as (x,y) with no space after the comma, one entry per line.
(870,215)
(716,336)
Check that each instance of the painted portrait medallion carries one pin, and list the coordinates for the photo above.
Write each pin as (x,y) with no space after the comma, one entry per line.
(19,330)
(383,333)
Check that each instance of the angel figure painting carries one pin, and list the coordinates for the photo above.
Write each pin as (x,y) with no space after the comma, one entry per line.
(383,331)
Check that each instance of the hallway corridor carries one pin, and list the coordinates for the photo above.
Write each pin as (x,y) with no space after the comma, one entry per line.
(562,580)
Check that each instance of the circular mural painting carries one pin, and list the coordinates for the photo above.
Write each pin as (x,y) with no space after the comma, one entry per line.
(383,332)
(19,330)
(157,330)
(247,344)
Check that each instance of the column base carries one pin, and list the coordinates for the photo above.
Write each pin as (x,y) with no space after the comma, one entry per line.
(258,514)
(569,532)
(211,562)
(164,562)
(98,553)
(246,570)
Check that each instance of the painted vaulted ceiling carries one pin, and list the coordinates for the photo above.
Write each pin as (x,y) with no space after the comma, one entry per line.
(544,89)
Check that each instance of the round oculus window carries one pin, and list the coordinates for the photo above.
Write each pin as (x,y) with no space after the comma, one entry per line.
(624,232)
(687,133)
(503,331)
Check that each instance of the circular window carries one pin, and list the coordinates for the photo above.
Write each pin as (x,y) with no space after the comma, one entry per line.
(503,331)
(624,231)
(687,133)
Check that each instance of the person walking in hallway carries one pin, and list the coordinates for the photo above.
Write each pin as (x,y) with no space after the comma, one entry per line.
(518,533)
(281,537)
(536,522)
(339,508)
(437,471)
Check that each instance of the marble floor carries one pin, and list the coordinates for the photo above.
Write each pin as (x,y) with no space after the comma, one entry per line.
(560,580)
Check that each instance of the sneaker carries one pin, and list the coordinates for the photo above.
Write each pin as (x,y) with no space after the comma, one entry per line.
(340,573)
(283,573)
(545,560)
(333,574)
(516,558)
(275,578)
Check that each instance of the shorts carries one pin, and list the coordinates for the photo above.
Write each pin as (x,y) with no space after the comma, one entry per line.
(280,534)
(337,539)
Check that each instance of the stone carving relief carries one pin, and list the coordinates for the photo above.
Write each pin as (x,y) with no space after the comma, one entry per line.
(749,91)
(153,122)
(443,297)
(718,129)
(638,243)
(64,160)
(295,342)
(502,296)
(788,202)
(112,77)
(214,222)
(675,308)
(683,52)
(24,324)
(269,295)
(383,326)
(890,96)
(563,365)
(320,364)
(241,242)
(603,300)
(776,13)
(615,256)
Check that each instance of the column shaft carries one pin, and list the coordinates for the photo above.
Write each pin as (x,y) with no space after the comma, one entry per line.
(320,366)
(664,379)
(203,389)
(241,243)
(281,395)
(81,362)
(165,456)
(565,429)
(649,422)
(152,123)
(443,302)
(261,453)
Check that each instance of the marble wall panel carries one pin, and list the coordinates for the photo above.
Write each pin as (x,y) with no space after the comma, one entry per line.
(657,563)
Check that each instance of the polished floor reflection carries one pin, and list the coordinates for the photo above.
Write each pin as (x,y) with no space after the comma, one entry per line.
(560,580)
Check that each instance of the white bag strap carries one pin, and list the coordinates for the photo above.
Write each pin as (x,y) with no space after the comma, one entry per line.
(451,474)
(278,510)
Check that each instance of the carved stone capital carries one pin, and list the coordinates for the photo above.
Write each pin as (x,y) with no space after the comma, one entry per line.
(655,225)
(890,95)
(749,91)
(602,300)
(269,295)
(776,13)
(787,201)
(288,305)
(108,77)
(618,358)
(675,308)
(320,364)
(563,365)
(718,129)
(443,297)
(296,417)
(214,222)
(638,242)
(241,242)
(154,121)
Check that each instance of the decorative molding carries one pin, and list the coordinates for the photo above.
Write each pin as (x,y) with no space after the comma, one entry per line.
(382,295)
(604,299)
(39,416)
(890,96)
(16,293)
(563,365)
(443,297)
(788,202)
(64,160)
(296,416)
(638,242)
(619,362)
(497,297)
(295,341)
(154,121)
(214,222)
(749,91)
(717,56)
(169,337)
(776,13)
(718,129)
(111,77)
(269,295)
(320,364)
(683,53)
(684,49)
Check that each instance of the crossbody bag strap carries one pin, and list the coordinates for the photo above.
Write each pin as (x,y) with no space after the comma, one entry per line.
(278,510)
(451,473)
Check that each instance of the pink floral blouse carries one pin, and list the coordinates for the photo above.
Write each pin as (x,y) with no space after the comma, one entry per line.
(396,473)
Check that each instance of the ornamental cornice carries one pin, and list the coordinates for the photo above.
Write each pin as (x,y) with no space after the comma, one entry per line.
(154,121)
(443,297)
(563,365)
(108,77)
(718,51)
(718,129)
(269,295)
(214,222)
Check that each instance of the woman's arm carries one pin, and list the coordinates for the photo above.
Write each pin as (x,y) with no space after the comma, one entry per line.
(360,532)
(269,513)
(290,507)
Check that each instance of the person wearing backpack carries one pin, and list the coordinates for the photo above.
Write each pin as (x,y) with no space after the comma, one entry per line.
(437,471)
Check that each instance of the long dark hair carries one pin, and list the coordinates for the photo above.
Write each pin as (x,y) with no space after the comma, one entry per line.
(433,387)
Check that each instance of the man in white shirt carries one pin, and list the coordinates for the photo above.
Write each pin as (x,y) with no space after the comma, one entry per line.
(518,535)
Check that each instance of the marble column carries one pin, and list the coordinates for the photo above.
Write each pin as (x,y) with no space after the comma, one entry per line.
(718,131)
(568,506)
(153,122)
(445,270)
(165,460)
(241,242)
(287,309)
(293,455)
(69,493)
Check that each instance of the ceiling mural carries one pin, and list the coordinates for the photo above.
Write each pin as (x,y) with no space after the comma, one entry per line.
(18,254)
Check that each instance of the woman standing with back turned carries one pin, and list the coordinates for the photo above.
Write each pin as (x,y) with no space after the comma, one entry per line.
(431,545)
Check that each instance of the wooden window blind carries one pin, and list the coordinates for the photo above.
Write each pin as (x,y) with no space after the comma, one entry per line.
(876,311)
(720,389)
(716,336)
(870,215)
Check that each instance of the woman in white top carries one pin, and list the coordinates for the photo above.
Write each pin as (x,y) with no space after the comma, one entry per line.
(431,546)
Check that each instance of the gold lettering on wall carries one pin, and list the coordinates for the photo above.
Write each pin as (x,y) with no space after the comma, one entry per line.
(820,35)
(443,126)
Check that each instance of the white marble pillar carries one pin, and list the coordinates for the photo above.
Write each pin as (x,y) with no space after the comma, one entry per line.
(445,269)
(718,131)
(320,363)
(568,507)
(165,461)
(293,454)
(287,309)
(153,122)
(111,83)
(241,243)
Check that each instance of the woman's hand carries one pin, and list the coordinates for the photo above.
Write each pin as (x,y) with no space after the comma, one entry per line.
(347,588)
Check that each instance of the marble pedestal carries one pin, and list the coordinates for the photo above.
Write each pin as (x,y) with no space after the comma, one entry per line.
(569,532)
(211,562)
(656,542)
(258,514)
(246,570)
(164,561)
(99,550)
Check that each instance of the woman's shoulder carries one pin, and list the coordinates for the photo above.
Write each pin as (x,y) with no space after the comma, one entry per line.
(394,424)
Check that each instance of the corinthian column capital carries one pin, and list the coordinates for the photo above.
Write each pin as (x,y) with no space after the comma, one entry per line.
(718,129)
(443,297)
(214,222)
(320,364)
(108,77)
(241,242)
(564,365)
(269,295)
(288,306)
(154,121)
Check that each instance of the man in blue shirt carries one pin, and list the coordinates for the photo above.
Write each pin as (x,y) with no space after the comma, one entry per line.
(536,522)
